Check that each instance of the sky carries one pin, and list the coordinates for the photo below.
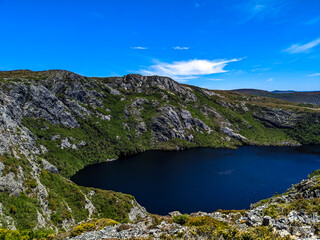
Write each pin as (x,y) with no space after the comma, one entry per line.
(263,44)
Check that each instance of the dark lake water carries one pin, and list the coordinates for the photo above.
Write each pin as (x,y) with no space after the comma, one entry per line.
(203,179)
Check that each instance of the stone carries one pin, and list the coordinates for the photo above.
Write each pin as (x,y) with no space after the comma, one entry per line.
(49,167)
(174,213)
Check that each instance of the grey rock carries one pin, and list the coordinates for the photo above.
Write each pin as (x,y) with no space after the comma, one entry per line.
(174,213)
(228,131)
(49,167)
(279,117)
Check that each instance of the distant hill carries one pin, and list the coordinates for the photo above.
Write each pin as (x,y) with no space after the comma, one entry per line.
(290,95)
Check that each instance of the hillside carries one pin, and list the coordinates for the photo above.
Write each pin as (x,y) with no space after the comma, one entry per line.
(292,96)
(53,123)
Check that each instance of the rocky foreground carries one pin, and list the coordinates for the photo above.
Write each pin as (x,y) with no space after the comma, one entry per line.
(292,215)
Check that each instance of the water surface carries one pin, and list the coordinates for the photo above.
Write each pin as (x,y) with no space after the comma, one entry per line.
(203,179)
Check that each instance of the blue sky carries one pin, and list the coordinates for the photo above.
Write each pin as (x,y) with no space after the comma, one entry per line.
(265,44)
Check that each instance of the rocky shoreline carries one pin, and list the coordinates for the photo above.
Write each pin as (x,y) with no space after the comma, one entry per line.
(290,215)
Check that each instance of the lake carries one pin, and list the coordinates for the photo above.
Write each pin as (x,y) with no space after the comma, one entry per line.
(203,179)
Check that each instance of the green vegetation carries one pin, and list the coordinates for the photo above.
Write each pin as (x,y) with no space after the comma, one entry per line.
(22,209)
(64,196)
(92,225)
(41,234)
(277,210)
(307,131)
(314,173)
(112,205)
(205,226)
(181,219)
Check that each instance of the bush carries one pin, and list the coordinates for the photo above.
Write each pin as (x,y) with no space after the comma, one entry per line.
(181,219)
(92,225)
(83,227)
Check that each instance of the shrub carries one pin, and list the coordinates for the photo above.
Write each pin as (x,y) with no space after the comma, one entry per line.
(181,219)
(83,227)
(93,225)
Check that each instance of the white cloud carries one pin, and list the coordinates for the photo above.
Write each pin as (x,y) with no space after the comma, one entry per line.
(139,48)
(270,80)
(314,75)
(181,48)
(297,48)
(188,69)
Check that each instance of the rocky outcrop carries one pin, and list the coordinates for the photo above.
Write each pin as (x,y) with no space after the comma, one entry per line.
(137,212)
(279,117)
(11,183)
(49,167)
(228,131)
(138,83)
(173,122)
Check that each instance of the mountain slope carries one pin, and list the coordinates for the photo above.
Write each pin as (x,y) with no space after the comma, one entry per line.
(298,97)
(55,122)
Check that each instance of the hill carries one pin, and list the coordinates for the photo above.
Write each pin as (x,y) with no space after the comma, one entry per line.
(55,122)
(292,96)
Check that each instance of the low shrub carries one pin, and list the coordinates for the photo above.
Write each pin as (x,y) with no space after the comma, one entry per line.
(181,219)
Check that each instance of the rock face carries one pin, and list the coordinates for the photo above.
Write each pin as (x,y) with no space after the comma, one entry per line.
(137,212)
(138,83)
(279,117)
(172,123)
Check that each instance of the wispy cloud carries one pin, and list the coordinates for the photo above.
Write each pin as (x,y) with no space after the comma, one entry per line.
(215,79)
(251,11)
(181,48)
(312,20)
(270,80)
(139,48)
(298,48)
(259,69)
(188,69)
(260,9)
(314,75)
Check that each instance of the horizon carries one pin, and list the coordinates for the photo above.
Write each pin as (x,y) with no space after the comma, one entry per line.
(274,90)
(262,44)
